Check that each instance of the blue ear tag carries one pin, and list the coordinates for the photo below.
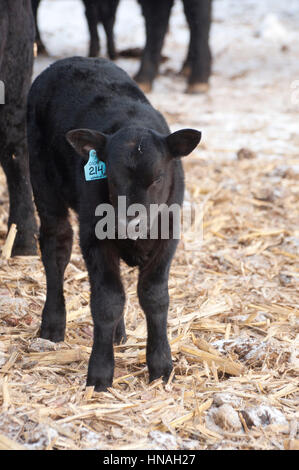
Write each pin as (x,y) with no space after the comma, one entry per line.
(94,168)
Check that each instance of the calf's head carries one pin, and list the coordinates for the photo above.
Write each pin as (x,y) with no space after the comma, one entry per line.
(140,163)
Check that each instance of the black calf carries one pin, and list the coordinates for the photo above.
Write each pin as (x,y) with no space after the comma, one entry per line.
(75,106)
(96,11)
(197,65)
(16,59)
(41,48)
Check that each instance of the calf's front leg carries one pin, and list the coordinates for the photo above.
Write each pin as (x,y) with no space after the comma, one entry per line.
(154,300)
(107,303)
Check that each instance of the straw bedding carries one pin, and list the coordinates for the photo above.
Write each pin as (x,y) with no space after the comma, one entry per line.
(233,319)
(233,327)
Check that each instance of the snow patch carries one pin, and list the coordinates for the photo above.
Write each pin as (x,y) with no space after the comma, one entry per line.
(41,345)
(40,437)
(253,351)
(263,415)
(163,440)
(226,418)
(273,30)
(226,398)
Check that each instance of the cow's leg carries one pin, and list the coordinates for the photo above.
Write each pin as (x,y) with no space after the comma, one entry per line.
(91,13)
(41,48)
(108,26)
(108,19)
(14,161)
(198,14)
(156,24)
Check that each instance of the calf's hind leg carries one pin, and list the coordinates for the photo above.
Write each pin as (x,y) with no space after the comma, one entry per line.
(156,24)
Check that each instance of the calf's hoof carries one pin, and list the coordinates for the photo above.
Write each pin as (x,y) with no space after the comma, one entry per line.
(24,250)
(165,375)
(197,88)
(161,370)
(99,384)
(53,333)
(24,245)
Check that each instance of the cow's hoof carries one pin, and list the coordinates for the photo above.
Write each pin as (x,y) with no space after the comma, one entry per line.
(40,48)
(146,87)
(185,71)
(197,88)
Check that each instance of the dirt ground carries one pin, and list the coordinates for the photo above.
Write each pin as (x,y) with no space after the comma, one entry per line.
(233,319)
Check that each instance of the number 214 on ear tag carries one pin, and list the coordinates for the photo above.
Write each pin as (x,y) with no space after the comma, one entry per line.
(94,168)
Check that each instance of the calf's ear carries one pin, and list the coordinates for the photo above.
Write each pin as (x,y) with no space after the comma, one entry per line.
(182,142)
(84,140)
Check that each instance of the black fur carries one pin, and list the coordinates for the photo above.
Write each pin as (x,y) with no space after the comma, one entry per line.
(80,104)
(96,11)
(198,62)
(16,59)
(41,48)
(101,11)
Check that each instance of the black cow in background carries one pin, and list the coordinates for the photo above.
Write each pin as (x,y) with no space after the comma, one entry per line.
(198,62)
(96,11)
(16,60)
(197,66)
(41,49)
